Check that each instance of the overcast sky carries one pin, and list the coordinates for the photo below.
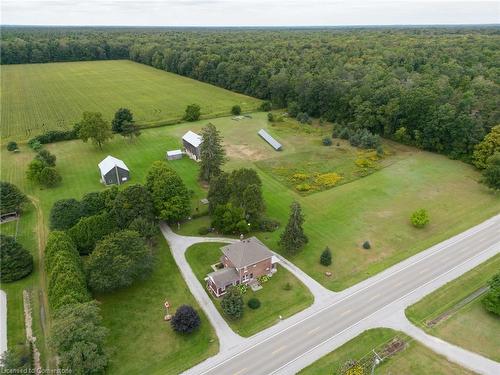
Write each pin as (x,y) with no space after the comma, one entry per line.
(247,12)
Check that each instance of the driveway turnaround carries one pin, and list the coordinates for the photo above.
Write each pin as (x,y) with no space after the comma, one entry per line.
(300,340)
(3,322)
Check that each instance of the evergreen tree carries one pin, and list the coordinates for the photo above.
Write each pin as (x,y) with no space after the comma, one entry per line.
(326,257)
(11,198)
(15,260)
(232,303)
(253,202)
(212,153)
(293,238)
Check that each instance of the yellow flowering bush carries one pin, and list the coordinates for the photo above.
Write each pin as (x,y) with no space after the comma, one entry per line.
(328,179)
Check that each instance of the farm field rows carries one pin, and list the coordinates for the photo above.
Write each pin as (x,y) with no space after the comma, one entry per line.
(40,97)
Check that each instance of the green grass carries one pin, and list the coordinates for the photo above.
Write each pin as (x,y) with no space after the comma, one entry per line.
(275,301)
(415,359)
(40,97)
(140,340)
(471,327)
(375,208)
(16,333)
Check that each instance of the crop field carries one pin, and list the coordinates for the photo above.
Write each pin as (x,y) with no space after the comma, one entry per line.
(40,97)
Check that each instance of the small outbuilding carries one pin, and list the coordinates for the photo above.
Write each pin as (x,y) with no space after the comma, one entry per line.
(269,139)
(113,171)
(174,155)
(192,143)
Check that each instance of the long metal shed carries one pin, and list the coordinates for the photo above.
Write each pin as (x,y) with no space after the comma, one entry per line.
(269,139)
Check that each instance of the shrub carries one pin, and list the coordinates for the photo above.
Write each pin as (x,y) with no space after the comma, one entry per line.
(236,110)
(293,109)
(46,157)
(34,144)
(420,218)
(203,231)
(185,320)
(303,118)
(11,198)
(367,245)
(253,303)
(11,146)
(268,225)
(118,260)
(270,117)
(491,301)
(287,286)
(193,112)
(303,187)
(15,260)
(296,177)
(49,177)
(327,141)
(265,106)
(232,303)
(52,136)
(328,180)
(326,257)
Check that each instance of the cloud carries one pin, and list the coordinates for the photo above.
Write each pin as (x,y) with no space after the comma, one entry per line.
(247,12)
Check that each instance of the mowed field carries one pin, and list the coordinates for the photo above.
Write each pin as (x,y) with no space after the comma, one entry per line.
(40,97)
(374,208)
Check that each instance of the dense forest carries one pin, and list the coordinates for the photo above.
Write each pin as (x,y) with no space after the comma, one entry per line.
(436,88)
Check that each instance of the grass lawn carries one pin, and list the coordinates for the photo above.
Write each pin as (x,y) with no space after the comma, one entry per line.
(341,218)
(275,300)
(140,340)
(472,326)
(40,97)
(16,333)
(415,359)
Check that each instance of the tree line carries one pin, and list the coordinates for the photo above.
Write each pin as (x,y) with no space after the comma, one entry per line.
(435,88)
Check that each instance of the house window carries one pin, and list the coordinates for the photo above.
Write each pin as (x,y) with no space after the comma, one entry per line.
(254,265)
(124,178)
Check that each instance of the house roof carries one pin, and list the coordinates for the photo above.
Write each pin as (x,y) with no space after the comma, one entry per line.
(174,152)
(192,138)
(109,163)
(246,252)
(269,139)
(224,276)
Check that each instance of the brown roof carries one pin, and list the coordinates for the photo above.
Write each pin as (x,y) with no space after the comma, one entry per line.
(224,276)
(246,252)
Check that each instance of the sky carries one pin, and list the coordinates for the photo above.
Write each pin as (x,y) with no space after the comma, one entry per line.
(248,12)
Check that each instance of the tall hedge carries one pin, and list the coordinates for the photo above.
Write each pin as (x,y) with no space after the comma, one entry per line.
(67,283)
(89,230)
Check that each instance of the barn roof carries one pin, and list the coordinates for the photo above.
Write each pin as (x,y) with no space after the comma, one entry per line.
(192,138)
(269,139)
(109,163)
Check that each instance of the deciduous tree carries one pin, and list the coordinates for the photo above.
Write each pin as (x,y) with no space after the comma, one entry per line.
(185,320)
(122,116)
(94,127)
(193,112)
(491,174)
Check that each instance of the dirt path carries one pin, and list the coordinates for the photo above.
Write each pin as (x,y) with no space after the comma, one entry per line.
(42,233)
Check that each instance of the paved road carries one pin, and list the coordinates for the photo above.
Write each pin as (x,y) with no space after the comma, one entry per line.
(275,353)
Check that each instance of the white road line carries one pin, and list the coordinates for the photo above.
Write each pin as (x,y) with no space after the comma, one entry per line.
(432,253)
(314,330)
(279,349)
